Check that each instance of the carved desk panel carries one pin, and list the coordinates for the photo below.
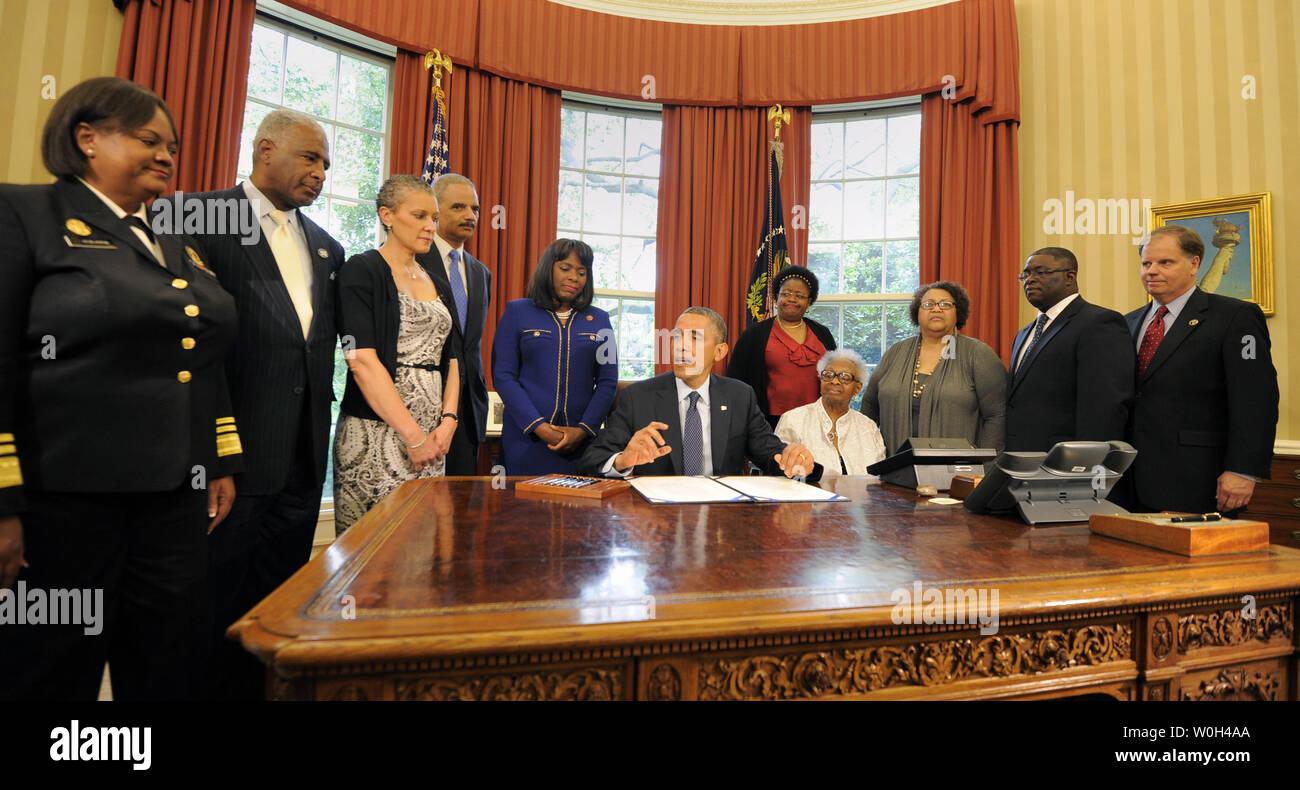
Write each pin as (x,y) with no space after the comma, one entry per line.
(451,589)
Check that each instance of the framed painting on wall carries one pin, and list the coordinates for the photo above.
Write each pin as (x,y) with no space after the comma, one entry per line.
(1238,236)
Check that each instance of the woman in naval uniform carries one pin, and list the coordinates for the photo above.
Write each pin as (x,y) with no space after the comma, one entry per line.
(117,443)
(555,365)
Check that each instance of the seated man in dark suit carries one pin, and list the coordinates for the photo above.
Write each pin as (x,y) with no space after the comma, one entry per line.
(1071,373)
(1206,405)
(677,410)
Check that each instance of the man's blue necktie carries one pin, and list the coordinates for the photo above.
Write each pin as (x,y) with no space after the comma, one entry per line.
(693,439)
(457,288)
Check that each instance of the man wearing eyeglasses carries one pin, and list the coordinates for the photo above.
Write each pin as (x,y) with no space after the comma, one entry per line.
(691,422)
(1071,372)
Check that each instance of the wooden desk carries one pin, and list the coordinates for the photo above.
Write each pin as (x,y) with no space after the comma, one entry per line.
(450,589)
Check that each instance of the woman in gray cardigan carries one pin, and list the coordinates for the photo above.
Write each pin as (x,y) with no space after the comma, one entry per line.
(939,383)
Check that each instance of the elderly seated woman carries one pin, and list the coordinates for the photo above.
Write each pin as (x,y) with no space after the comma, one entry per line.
(840,438)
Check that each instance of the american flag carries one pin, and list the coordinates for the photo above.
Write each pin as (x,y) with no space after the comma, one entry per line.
(439,159)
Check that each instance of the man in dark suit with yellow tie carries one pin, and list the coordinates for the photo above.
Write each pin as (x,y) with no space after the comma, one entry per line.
(465,286)
(280,267)
(1205,412)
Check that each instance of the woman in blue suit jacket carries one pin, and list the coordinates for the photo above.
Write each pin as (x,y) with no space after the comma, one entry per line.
(555,365)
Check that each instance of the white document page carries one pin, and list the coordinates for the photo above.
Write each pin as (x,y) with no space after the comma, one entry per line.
(780,489)
(684,490)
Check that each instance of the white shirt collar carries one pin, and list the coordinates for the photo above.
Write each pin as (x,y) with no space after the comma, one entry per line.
(117,210)
(1175,306)
(684,391)
(1058,308)
(445,247)
(263,205)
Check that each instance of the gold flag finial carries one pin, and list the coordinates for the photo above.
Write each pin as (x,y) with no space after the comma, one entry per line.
(437,61)
(780,115)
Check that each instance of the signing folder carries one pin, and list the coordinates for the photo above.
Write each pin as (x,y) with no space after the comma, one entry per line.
(708,490)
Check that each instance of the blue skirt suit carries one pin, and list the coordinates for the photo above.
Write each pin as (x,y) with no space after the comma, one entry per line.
(548,370)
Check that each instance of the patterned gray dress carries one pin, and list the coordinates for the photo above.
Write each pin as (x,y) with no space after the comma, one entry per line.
(370,459)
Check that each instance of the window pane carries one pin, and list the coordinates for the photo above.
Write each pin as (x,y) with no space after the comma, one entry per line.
(319,212)
(862,324)
(905,144)
(354,225)
(824,261)
(641,206)
(864,143)
(309,78)
(864,209)
(827,150)
(601,203)
(570,200)
(638,264)
(642,147)
(825,220)
(604,142)
(902,218)
(606,261)
(265,63)
(898,323)
(356,164)
(572,132)
(363,93)
(828,315)
(863,265)
(903,266)
(633,323)
(253,115)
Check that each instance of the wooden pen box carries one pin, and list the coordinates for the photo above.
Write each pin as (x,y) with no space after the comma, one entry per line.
(1193,539)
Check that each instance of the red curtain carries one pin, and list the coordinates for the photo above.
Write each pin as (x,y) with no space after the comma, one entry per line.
(505,137)
(711,188)
(970,222)
(194,53)
(796,182)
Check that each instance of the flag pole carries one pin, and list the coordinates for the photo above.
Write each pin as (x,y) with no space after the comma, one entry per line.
(438,160)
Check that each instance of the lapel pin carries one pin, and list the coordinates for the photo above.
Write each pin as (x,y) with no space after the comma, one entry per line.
(78,227)
(723,407)
(321,252)
(589,318)
(1194,322)
(332,275)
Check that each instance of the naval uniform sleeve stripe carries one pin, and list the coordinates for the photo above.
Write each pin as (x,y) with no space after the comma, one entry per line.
(8,449)
(227,429)
(225,421)
(6,437)
(11,474)
(228,444)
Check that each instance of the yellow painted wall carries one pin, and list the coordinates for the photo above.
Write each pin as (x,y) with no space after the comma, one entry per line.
(1143,99)
(69,40)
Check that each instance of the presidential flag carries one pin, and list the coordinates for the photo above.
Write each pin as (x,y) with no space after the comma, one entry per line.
(772,252)
(439,159)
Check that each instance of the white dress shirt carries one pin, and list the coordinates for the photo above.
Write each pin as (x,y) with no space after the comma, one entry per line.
(263,207)
(861,444)
(683,403)
(1175,307)
(141,213)
(444,249)
(1051,313)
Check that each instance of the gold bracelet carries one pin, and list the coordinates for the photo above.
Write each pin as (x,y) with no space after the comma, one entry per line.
(417,444)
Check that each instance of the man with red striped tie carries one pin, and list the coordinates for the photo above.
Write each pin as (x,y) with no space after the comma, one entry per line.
(1206,405)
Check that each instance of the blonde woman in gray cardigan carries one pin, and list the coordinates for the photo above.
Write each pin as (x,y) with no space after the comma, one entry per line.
(939,383)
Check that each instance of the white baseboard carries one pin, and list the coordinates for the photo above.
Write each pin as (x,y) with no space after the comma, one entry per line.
(1286,447)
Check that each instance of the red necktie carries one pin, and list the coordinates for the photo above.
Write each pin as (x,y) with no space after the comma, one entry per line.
(1151,340)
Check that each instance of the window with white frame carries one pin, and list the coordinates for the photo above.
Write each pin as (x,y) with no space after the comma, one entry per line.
(609,198)
(347,90)
(864,225)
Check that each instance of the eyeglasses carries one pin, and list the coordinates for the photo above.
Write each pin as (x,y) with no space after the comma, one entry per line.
(843,378)
(1039,273)
(930,304)
(793,295)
